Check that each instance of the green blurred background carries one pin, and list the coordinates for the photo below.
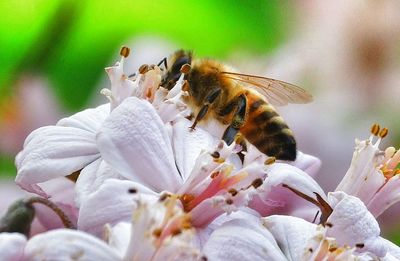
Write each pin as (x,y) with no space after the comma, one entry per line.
(70,42)
(53,54)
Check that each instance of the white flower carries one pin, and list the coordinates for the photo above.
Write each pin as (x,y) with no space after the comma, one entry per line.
(373,174)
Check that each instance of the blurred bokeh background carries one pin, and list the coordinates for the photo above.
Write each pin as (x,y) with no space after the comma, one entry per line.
(346,53)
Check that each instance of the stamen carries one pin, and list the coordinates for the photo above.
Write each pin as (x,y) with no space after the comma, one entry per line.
(233,192)
(144,68)
(257,182)
(185,68)
(216,154)
(125,51)
(270,161)
(383,133)
(360,245)
(132,191)
(375,129)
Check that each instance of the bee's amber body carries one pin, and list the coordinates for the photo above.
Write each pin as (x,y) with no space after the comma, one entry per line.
(260,124)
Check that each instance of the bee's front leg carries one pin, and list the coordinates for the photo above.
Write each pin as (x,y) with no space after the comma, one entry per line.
(203,111)
(238,119)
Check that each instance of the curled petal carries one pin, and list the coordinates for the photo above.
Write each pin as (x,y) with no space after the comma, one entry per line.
(51,152)
(242,240)
(274,198)
(89,119)
(292,234)
(65,244)
(134,141)
(110,204)
(351,215)
(307,163)
(12,246)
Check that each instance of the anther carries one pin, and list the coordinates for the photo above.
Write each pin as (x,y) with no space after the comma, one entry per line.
(185,68)
(163,197)
(229,201)
(124,51)
(132,191)
(215,154)
(257,182)
(328,224)
(270,160)
(332,249)
(375,129)
(157,232)
(233,192)
(360,245)
(383,133)
(144,69)
(176,232)
(214,174)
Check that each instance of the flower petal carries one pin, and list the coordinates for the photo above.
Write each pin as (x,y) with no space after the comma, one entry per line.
(12,246)
(388,195)
(89,119)
(273,198)
(351,215)
(111,204)
(292,234)
(51,152)
(62,193)
(242,240)
(307,163)
(92,177)
(65,244)
(188,145)
(134,141)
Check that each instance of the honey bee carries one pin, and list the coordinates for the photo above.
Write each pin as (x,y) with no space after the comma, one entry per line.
(243,102)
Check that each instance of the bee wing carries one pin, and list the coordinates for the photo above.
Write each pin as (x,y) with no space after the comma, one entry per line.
(277,92)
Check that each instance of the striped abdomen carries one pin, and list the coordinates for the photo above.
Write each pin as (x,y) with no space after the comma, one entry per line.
(266,130)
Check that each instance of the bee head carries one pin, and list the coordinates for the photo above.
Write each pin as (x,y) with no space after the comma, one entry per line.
(174,65)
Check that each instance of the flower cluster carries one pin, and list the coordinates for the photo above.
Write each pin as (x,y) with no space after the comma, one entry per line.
(147,187)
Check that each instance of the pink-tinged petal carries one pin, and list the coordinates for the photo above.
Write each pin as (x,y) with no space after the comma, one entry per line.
(62,193)
(188,145)
(273,198)
(134,141)
(203,233)
(89,119)
(65,244)
(292,234)
(242,240)
(111,204)
(362,178)
(307,163)
(51,152)
(12,246)
(92,177)
(388,195)
(351,216)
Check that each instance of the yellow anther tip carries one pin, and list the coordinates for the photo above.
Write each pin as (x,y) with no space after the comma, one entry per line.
(125,51)
(383,133)
(375,129)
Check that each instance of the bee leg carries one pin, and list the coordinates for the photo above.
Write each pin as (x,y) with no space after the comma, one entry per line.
(203,111)
(163,61)
(237,121)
